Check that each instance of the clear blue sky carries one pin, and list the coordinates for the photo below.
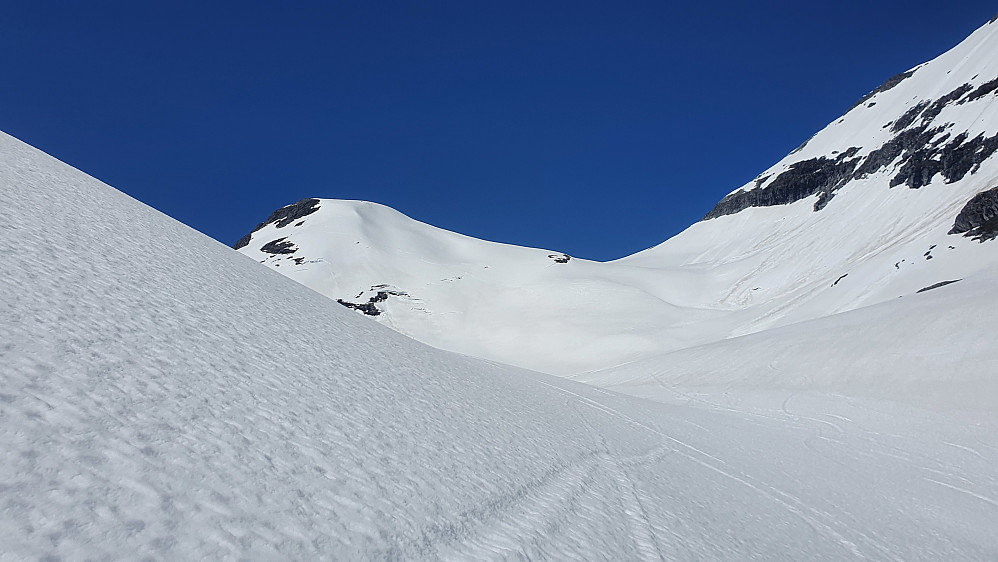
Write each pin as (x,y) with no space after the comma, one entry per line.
(597,129)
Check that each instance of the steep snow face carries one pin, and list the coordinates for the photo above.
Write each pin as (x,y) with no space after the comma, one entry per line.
(164,397)
(894,197)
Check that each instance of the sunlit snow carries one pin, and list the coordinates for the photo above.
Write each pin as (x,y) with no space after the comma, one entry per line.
(760,268)
(165,397)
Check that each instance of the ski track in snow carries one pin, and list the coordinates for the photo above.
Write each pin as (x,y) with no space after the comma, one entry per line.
(711,462)
(164,397)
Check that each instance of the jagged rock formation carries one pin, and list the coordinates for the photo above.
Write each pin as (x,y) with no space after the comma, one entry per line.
(367,308)
(279,246)
(816,176)
(381,294)
(282,217)
(979,217)
(919,149)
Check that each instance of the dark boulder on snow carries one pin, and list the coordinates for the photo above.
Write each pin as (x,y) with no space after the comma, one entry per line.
(979,217)
(279,246)
(937,285)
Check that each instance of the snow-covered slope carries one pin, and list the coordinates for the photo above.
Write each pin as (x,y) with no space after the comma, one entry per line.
(530,307)
(898,195)
(867,209)
(166,398)
(935,349)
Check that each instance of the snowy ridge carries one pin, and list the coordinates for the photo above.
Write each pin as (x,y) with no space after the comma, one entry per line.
(910,159)
(898,195)
(468,295)
(944,104)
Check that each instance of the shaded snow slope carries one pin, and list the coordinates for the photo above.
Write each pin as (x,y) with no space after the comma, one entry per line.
(895,196)
(164,397)
(935,349)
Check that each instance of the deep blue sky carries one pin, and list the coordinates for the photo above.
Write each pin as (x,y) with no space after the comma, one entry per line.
(598,129)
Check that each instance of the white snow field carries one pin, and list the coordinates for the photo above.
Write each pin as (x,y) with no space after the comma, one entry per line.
(164,397)
(735,274)
(935,350)
(770,384)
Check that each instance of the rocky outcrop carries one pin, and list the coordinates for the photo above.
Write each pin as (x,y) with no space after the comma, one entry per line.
(979,217)
(982,90)
(283,217)
(918,151)
(382,292)
(279,246)
(367,308)
(818,176)
(953,161)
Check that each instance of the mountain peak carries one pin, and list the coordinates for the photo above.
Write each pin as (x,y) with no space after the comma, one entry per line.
(937,119)
(893,197)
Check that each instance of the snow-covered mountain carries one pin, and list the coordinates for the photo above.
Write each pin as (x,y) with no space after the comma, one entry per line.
(897,196)
(163,397)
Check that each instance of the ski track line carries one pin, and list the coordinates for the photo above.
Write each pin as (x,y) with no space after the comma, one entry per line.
(984,499)
(790,502)
(948,475)
(642,530)
(499,525)
(965,448)
(786,410)
(645,538)
(539,513)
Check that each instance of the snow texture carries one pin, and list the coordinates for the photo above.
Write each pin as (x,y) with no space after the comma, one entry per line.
(164,397)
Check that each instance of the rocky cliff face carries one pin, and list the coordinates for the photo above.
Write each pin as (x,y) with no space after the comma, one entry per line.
(819,176)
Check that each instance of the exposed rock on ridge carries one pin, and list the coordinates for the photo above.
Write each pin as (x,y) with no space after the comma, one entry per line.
(817,176)
(283,217)
(279,246)
(887,85)
(917,152)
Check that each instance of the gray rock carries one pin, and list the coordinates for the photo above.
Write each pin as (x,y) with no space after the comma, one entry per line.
(283,217)
(979,217)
